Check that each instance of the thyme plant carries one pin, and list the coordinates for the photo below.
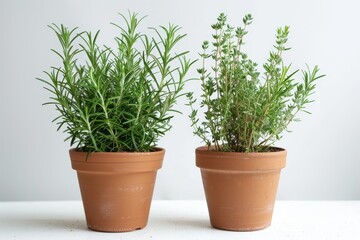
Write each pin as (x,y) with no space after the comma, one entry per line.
(120,99)
(246,111)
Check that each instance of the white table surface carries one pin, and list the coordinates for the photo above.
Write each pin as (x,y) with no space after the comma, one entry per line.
(172,220)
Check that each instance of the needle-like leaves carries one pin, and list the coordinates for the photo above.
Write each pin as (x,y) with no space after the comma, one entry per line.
(120,99)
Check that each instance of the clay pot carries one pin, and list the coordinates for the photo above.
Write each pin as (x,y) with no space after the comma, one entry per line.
(240,188)
(116,188)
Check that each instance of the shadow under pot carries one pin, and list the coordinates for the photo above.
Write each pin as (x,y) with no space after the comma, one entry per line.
(240,188)
(117,187)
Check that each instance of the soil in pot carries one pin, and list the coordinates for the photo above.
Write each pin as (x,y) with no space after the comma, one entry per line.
(240,188)
(116,188)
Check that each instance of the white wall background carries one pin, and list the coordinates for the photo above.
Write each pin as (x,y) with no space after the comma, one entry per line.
(323,159)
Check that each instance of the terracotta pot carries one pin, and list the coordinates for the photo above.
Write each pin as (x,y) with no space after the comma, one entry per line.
(240,188)
(116,188)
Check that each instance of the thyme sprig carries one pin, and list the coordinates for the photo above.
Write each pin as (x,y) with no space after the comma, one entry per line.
(244,110)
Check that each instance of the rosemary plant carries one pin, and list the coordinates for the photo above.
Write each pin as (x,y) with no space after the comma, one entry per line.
(246,111)
(119,99)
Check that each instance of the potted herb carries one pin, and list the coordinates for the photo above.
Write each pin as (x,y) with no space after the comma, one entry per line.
(114,106)
(245,112)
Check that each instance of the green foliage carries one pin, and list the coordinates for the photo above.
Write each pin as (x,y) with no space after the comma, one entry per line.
(120,99)
(246,111)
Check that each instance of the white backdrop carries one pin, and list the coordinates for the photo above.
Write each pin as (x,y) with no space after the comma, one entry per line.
(323,160)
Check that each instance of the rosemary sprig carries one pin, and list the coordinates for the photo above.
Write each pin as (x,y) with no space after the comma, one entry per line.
(120,99)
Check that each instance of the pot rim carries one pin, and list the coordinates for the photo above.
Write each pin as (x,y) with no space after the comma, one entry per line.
(116,157)
(240,161)
(156,149)
(206,150)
